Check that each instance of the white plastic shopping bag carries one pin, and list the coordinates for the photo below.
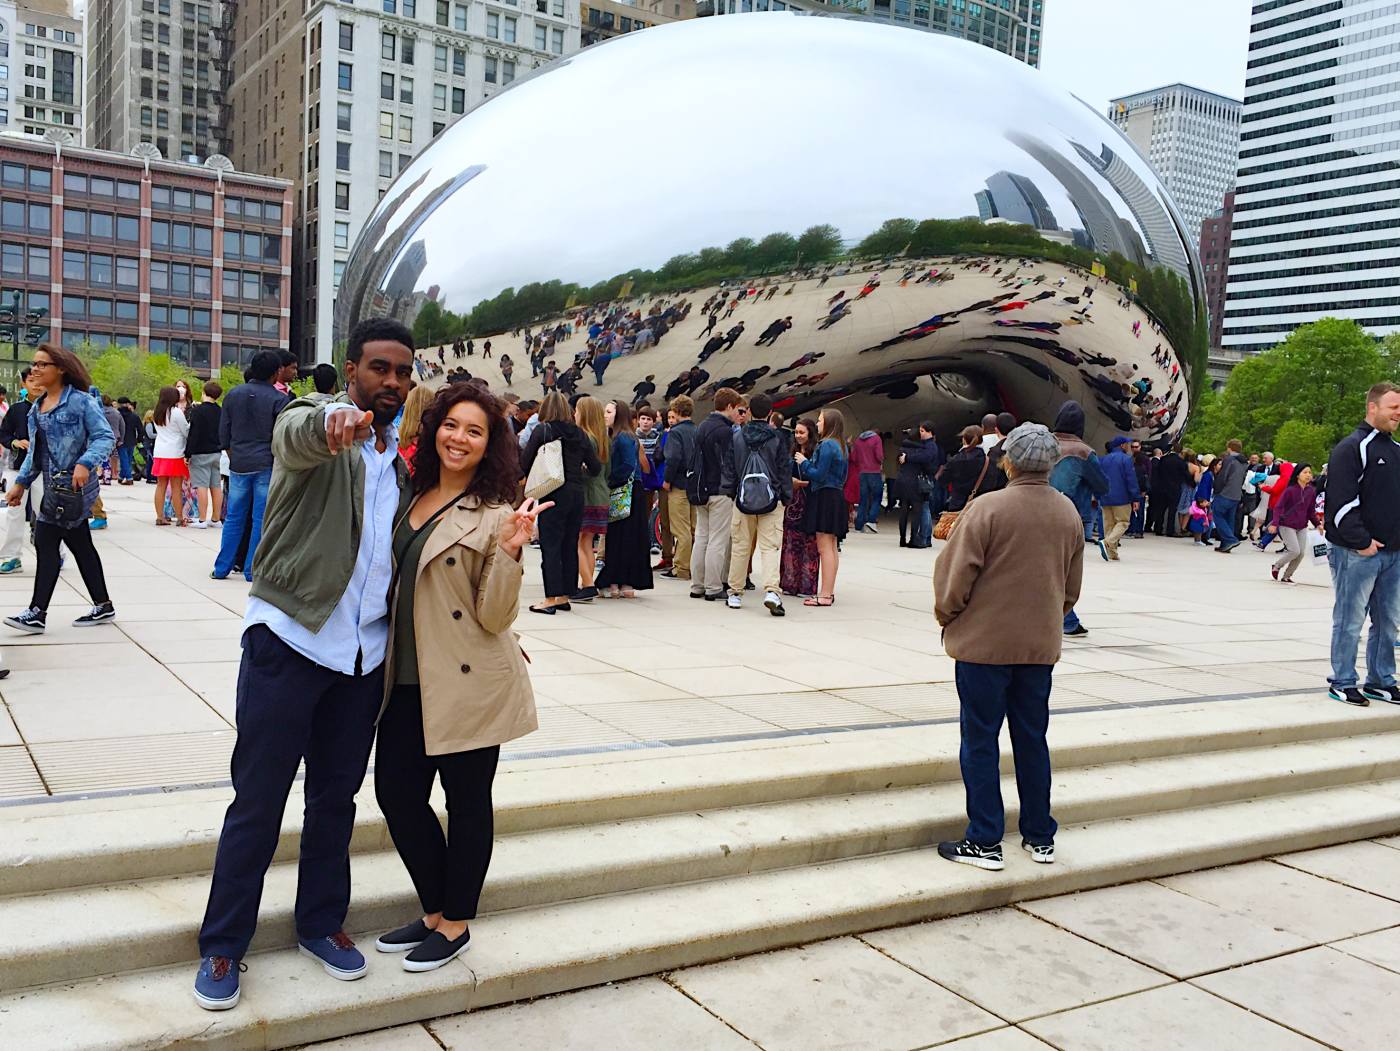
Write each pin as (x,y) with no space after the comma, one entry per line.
(1315,547)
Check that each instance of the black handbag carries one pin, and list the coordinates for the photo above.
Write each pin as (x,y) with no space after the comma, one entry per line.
(61,504)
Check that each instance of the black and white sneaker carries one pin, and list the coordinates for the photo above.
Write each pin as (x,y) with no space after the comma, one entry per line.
(405,938)
(435,951)
(965,852)
(1041,854)
(97,615)
(1389,694)
(1348,695)
(33,621)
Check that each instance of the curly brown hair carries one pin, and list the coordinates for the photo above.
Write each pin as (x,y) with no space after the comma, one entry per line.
(498,473)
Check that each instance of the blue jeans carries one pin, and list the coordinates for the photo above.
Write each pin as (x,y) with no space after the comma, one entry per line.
(924,533)
(1224,511)
(1363,586)
(242,489)
(1018,694)
(1071,621)
(1098,529)
(124,462)
(1138,520)
(872,489)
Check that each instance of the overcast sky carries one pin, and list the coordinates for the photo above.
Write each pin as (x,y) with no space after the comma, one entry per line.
(1102,50)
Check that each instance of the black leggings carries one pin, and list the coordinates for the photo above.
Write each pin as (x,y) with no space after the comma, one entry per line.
(559,530)
(79,541)
(447,872)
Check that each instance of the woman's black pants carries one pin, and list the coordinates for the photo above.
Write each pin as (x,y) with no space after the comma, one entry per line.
(79,540)
(559,530)
(447,871)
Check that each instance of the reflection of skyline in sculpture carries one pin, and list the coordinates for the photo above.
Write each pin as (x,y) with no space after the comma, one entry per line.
(1105,231)
(1164,238)
(1004,135)
(405,277)
(1016,199)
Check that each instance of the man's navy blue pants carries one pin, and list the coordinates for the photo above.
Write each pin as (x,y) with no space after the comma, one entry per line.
(1020,695)
(288,709)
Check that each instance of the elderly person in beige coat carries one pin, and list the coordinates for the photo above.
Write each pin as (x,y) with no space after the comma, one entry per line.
(1002,585)
(456,684)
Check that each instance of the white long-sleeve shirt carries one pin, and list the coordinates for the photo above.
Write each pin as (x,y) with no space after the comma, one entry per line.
(172,435)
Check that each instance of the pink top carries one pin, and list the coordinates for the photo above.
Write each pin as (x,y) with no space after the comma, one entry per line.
(868,454)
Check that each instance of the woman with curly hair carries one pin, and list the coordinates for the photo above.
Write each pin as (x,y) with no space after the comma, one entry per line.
(456,687)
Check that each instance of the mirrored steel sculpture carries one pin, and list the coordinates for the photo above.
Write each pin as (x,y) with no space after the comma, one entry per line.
(907,225)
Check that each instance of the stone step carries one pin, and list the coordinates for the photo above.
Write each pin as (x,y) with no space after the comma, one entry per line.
(154,922)
(100,841)
(525,953)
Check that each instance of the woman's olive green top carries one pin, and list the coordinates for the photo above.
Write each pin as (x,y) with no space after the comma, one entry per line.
(408,548)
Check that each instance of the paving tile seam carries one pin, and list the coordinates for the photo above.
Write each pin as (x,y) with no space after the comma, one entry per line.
(1282,859)
(1249,1010)
(668,978)
(638,745)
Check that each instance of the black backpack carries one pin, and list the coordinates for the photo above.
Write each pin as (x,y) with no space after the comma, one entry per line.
(697,490)
(756,494)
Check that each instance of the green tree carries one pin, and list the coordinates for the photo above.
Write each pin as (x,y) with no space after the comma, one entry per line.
(889,239)
(133,372)
(1306,393)
(775,250)
(817,244)
(739,252)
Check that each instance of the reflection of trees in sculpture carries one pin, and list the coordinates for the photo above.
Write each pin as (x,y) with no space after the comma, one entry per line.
(1162,292)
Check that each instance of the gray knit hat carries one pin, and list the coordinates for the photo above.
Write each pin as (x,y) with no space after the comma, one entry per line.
(1031,448)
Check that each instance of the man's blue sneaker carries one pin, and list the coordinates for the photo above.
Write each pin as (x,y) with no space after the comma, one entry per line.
(216,985)
(97,523)
(337,954)
(10,565)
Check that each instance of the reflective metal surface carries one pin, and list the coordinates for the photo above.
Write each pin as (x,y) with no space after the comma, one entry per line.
(678,165)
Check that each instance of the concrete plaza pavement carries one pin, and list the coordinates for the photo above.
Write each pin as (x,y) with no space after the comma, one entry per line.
(1293,952)
(147,703)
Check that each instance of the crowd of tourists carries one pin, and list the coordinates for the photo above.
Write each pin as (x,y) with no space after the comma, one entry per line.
(383,529)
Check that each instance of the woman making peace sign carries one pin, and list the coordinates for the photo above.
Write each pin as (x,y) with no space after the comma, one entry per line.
(455,681)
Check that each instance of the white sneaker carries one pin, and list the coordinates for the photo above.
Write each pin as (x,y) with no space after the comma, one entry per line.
(734,602)
(774,602)
(199,523)
(871,527)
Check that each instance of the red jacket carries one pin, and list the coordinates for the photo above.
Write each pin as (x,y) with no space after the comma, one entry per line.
(1275,486)
(868,454)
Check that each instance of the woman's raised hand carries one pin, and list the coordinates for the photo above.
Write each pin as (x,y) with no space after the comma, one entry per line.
(520,526)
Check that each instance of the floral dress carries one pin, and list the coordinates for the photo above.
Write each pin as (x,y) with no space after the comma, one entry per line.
(800,561)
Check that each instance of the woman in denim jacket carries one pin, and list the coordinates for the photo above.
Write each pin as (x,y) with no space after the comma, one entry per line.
(76,441)
(826,516)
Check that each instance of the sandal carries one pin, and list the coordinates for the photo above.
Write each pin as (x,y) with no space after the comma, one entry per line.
(162,521)
(820,600)
(629,593)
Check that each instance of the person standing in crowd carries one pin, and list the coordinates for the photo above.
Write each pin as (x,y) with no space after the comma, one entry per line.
(14,437)
(1020,549)
(588,414)
(1362,513)
(203,452)
(761,481)
(245,432)
(867,463)
(827,513)
(996,477)
(1142,467)
(324,379)
(649,437)
(627,569)
(287,370)
(1077,474)
(714,507)
(1297,510)
(169,466)
(678,451)
(418,400)
(312,676)
(456,687)
(1229,491)
(965,471)
(559,525)
(1168,478)
(1121,499)
(131,441)
(800,568)
(69,440)
(1280,475)
(989,432)
(918,456)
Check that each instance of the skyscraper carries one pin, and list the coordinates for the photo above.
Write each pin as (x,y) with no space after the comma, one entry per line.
(44,72)
(1190,137)
(1012,27)
(341,98)
(1316,223)
(151,76)
(1016,199)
